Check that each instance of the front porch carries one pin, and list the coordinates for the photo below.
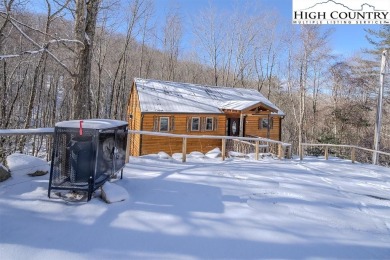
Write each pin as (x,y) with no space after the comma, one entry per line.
(253,119)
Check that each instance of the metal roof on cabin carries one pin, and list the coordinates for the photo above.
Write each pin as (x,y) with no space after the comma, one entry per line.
(173,97)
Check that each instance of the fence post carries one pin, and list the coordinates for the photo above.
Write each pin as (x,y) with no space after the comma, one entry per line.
(184,149)
(300,148)
(374,157)
(257,143)
(223,148)
(326,152)
(353,154)
(128,148)
(280,151)
(289,152)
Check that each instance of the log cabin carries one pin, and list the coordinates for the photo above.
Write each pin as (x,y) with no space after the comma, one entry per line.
(191,109)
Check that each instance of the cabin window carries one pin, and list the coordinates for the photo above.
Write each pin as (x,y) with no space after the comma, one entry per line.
(195,124)
(264,123)
(209,124)
(164,124)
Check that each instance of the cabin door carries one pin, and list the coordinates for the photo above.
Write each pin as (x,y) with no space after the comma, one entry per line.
(233,126)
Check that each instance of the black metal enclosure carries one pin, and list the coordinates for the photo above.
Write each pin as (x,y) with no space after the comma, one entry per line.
(86,153)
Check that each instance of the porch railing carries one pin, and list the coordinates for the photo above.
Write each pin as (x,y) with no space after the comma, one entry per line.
(245,145)
(352,152)
(253,144)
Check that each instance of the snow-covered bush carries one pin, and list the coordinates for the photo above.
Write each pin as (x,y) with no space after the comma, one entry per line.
(26,164)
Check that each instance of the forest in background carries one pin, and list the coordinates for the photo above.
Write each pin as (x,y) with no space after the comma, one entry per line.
(77,59)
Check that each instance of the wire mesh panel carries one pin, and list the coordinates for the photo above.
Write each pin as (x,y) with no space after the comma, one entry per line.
(112,150)
(83,159)
(69,150)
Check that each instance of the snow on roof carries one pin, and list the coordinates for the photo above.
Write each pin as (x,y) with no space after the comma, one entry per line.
(239,104)
(92,123)
(165,96)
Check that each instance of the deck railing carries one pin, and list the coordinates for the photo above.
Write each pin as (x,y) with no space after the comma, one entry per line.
(282,150)
(245,145)
(251,144)
(352,152)
(40,143)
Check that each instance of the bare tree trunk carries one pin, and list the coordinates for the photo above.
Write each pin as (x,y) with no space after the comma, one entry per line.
(102,50)
(3,93)
(133,19)
(302,99)
(86,17)
(210,33)
(270,68)
(172,37)
(146,19)
(3,85)
(39,73)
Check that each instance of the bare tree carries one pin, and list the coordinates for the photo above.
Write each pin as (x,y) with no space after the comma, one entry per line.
(3,71)
(85,25)
(146,32)
(39,72)
(171,44)
(302,58)
(267,51)
(101,52)
(210,32)
(138,8)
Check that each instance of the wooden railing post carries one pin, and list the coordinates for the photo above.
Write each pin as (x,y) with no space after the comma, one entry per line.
(184,149)
(300,148)
(289,153)
(353,155)
(223,149)
(128,144)
(326,152)
(257,143)
(280,151)
(374,157)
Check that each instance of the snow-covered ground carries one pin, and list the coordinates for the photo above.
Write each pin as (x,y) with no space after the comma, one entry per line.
(206,209)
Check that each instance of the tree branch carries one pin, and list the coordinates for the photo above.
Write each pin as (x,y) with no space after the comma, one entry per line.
(40,47)
(10,56)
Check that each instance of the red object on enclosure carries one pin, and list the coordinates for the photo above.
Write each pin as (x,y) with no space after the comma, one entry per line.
(81,127)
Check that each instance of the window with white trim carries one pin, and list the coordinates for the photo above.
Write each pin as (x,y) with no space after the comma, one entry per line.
(209,123)
(164,124)
(195,124)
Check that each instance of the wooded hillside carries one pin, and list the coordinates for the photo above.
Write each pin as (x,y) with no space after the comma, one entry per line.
(70,59)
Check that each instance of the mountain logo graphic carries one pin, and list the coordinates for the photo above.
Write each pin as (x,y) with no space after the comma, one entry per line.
(341,5)
(341,12)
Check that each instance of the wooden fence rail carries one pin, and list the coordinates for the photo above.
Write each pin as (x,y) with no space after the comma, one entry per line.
(352,148)
(282,147)
(256,142)
(283,150)
(35,131)
(42,132)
